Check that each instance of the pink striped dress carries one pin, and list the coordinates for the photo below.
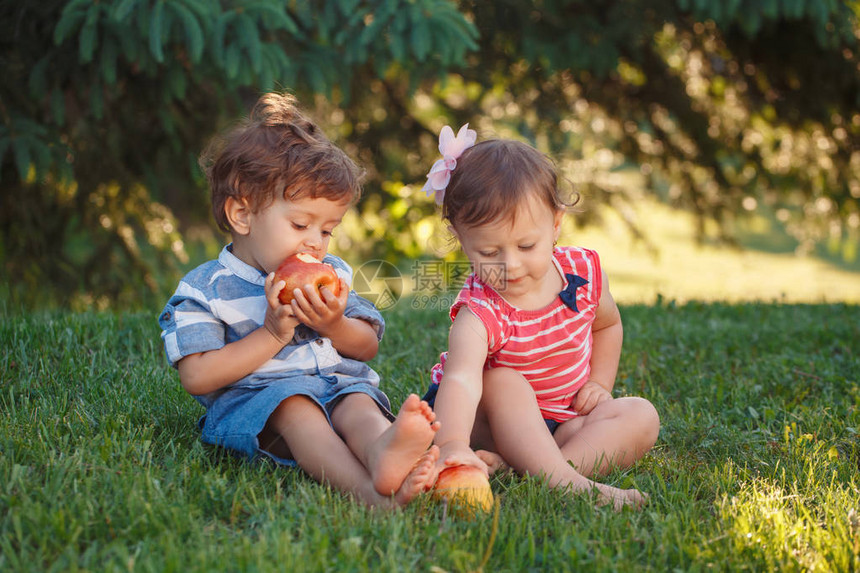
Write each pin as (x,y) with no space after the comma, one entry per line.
(551,346)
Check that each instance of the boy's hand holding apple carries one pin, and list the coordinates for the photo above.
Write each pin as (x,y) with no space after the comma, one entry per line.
(301,270)
(280,320)
(313,291)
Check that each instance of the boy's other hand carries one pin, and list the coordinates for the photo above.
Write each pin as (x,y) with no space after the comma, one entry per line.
(320,309)
(280,319)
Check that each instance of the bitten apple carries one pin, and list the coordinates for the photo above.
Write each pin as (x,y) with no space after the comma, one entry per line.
(303,269)
(466,488)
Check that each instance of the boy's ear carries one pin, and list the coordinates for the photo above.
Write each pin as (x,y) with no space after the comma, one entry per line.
(238,215)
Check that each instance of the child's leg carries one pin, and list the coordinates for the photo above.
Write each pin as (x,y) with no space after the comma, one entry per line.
(521,437)
(615,434)
(318,450)
(387,449)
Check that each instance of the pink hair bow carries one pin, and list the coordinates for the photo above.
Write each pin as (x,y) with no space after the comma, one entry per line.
(451,148)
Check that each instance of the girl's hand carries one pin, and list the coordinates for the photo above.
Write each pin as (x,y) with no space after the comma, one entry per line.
(320,309)
(589,396)
(280,320)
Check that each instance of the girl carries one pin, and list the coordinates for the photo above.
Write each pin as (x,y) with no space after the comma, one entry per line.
(536,337)
(288,381)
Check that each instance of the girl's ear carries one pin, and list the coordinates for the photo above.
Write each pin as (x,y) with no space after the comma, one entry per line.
(238,215)
(556,224)
(453,231)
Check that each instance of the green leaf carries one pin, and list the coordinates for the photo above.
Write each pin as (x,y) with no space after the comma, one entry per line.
(273,17)
(730,8)
(87,41)
(716,12)
(232,59)
(381,64)
(348,7)
(420,40)
(751,22)
(38,80)
(42,156)
(266,78)
(793,9)
(193,32)
(130,45)
(204,9)
(155,24)
(58,106)
(122,9)
(177,82)
(464,31)
(303,13)
(280,65)
(354,52)
(22,157)
(246,29)
(97,104)
(396,41)
(71,18)
(108,58)
(324,23)
(315,76)
(372,32)
(220,34)
(770,8)
(167,120)
(349,30)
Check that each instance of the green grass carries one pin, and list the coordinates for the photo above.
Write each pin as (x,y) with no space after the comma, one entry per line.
(756,467)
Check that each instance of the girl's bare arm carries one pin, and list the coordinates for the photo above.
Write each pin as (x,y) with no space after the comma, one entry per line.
(460,389)
(608,335)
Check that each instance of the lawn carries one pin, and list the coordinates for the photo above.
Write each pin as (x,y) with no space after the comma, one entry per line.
(756,467)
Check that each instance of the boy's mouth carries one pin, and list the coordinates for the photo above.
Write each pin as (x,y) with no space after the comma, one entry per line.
(318,256)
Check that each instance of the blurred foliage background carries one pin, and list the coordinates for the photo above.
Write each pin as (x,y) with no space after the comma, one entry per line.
(726,109)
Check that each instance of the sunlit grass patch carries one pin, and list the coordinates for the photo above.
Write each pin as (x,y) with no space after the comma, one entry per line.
(801,520)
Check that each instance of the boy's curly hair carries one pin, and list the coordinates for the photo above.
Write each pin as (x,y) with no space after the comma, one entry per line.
(277,150)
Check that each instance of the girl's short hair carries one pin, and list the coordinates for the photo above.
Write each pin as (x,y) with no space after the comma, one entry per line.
(277,150)
(492,179)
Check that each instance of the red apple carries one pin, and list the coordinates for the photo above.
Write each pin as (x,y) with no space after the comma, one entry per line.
(303,269)
(466,488)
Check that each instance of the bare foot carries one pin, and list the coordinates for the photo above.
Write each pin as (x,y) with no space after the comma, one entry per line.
(620,497)
(421,478)
(495,462)
(392,457)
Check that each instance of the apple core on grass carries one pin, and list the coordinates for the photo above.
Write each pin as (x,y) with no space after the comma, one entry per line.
(465,488)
